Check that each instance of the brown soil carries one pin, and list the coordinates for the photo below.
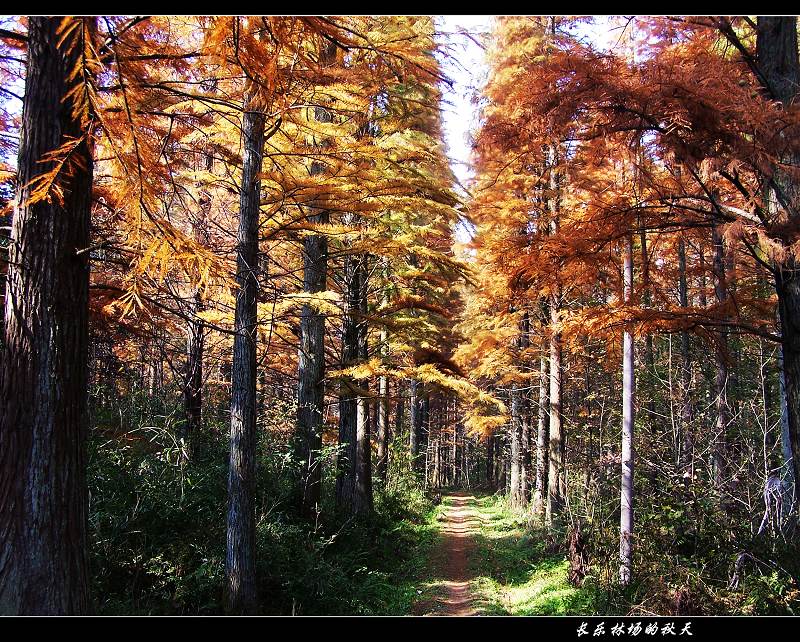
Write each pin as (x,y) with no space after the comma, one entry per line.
(452,593)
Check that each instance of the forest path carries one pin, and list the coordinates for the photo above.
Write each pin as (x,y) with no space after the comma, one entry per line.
(449,586)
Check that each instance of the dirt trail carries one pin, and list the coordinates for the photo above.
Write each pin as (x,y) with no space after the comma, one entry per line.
(450,562)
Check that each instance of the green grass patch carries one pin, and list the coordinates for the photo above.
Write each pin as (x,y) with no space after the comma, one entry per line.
(514,573)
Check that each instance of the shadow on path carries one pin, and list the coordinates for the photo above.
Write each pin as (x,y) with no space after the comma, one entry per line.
(451,592)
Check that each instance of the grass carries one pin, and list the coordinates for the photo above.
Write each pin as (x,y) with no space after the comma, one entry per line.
(515,574)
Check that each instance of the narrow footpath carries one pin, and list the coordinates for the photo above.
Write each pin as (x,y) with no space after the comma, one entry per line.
(449,591)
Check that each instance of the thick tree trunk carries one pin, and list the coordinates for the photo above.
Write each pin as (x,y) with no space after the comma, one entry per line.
(43,418)
(628,386)
(777,56)
(353,484)
(311,356)
(240,562)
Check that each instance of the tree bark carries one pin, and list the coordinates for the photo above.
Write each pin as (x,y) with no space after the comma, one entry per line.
(777,56)
(44,380)
(240,563)
(542,440)
(686,447)
(719,438)
(628,410)
(311,356)
(382,423)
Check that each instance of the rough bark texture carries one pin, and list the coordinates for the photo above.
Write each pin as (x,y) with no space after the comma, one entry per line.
(628,384)
(776,51)
(240,567)
(43,385)
(353,483)
(311,357)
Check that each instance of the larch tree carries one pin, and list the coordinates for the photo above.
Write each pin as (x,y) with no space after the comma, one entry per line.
(43,386)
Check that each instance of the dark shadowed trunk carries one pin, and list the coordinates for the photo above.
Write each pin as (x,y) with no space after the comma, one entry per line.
(193,382)
(311,355)
(43,418)
(240,563)
(353,483)
(776,52)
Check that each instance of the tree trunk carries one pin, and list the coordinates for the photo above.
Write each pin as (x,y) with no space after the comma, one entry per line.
(44,379)
(363,428)
(719,439)
(776,52)
(382,423)
(515,437)
(193,383)
(556,492)
(311,356)
(542,440)
(353,486)
(240,562)
(556,475)
(685,457)
(628,386)
(417,412)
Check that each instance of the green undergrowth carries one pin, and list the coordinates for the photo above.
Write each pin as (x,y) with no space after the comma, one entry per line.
(157,533)
(514,572)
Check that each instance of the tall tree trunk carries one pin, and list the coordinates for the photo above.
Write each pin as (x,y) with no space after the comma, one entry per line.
(556,492)
(542,440)
(719,439)
(515,437)
(399,408)
(776,52)
(353,487)
(193,383)
(490,480)
(311,357)
(240,562)
(556,475)
(417,412)
(686,438)
(43,418)
(628,386)
(382,423)
(363,427)
(649,352)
